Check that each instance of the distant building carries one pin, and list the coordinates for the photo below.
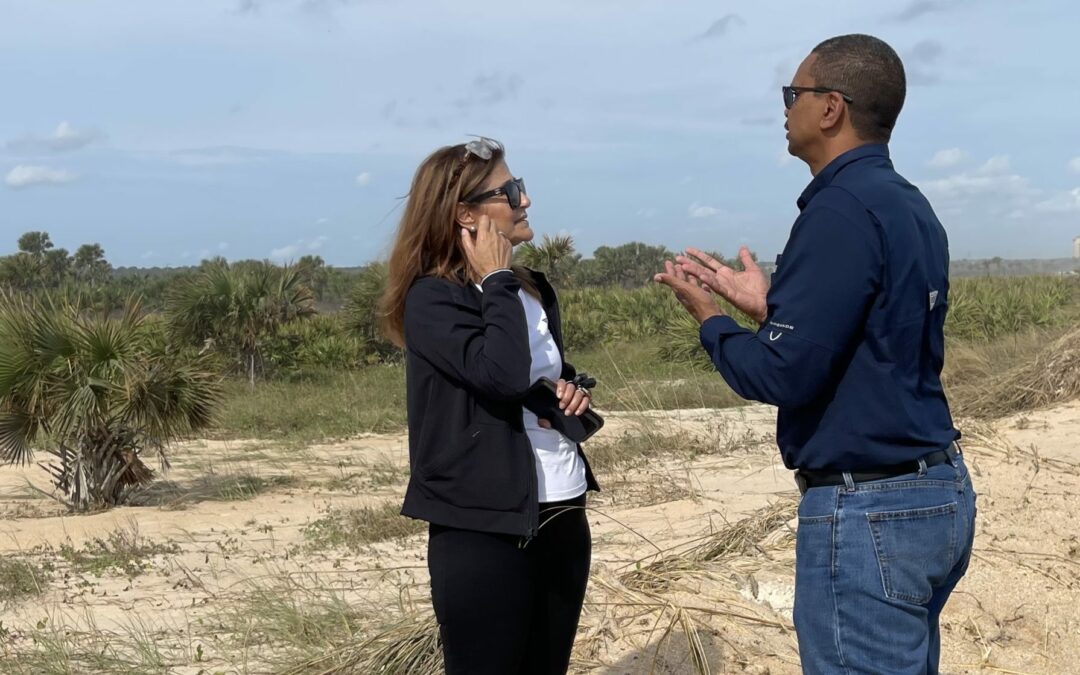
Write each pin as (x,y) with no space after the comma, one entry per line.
(1076,248)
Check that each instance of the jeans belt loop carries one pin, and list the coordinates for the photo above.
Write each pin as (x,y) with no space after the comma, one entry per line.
(849,482)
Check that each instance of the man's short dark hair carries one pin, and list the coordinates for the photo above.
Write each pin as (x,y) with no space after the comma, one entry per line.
(869,71)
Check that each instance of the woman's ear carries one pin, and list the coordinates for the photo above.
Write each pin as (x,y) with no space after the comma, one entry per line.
(465,217)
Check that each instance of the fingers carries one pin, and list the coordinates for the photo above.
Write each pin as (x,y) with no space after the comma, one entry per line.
(747,259)
(572,400)
(704,257)
(683,274)
(583,401)
(483,225)
(692,266)
(696,273)
(467,243)
(700,273)
(565,393)
(670,280)
(487,249)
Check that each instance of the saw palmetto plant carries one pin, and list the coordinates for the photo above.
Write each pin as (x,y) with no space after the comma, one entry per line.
(96,394)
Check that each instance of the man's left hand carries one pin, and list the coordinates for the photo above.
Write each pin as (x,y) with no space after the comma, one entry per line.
(688,291)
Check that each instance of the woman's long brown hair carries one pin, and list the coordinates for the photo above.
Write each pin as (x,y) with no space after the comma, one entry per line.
(427,242)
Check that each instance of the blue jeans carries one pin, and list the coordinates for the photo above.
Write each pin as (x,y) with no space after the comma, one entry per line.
(875,563)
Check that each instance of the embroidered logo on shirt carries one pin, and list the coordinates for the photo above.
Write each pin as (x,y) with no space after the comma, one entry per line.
(775,335)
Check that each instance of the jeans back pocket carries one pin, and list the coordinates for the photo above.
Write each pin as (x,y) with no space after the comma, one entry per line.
(916,550)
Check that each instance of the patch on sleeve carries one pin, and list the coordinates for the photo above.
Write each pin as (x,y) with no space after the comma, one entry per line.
(775,335)
(933,299)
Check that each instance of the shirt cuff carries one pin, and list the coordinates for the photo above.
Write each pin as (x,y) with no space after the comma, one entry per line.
(493,273)
(717,328)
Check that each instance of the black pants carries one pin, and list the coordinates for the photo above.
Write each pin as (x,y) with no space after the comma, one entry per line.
(504,609)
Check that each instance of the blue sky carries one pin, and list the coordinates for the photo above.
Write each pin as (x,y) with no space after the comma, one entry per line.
(175,130)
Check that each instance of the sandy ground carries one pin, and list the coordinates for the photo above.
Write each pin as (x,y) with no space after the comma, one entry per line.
(1017,611)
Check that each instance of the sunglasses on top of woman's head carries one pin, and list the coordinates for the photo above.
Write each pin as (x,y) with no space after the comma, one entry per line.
(513,189)
(482,148)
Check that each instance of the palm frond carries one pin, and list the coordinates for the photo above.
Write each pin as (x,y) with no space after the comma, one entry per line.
(17,431)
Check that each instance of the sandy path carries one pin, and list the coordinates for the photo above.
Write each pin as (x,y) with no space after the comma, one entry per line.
(1017,611)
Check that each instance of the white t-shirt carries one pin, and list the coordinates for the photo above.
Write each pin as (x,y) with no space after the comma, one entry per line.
(560,471)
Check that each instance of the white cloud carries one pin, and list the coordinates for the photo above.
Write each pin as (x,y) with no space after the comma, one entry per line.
(148,255)
(285,252)
(1064,202)
(24,176)
(992,188)
(1074,164)
(702,211)
(65,138)
(223,245)
(647,213)
(322,221)
(994,166)
(363,179)
(974,184)
(944,159)
(291,251)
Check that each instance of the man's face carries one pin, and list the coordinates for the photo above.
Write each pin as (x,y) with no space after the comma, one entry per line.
(804,115)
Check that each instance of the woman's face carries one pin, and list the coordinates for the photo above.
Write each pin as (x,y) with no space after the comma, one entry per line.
(512,223)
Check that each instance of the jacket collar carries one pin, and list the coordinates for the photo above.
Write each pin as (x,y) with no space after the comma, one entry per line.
(826,175)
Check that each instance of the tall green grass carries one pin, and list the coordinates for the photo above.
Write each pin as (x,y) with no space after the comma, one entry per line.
(639,343)
(986,308)
(316,405)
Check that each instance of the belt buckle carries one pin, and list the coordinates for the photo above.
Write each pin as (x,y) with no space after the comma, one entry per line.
(800,481)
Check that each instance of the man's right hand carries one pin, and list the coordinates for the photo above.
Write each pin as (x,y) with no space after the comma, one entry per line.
(746,290)
(487,250)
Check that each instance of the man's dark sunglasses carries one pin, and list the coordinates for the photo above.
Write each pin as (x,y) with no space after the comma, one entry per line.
(791,93)
(513,189)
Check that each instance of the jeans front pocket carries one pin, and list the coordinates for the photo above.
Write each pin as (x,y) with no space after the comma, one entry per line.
(916,549)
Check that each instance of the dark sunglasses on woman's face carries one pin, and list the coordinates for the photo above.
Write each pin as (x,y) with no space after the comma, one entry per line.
(791,93)
(513,189)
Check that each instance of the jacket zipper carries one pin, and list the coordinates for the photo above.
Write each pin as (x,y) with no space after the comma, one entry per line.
(532,510)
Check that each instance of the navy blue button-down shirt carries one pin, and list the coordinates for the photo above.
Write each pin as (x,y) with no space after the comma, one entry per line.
(852,349)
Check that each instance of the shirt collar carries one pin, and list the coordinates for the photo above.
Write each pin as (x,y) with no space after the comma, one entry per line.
(826,175)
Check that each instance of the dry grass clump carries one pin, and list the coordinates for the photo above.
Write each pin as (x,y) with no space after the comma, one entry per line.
(766,528)
(1053,376)
(353,529)
(411,645)
(689,627)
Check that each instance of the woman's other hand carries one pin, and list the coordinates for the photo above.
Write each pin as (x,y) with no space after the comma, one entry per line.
(572,400)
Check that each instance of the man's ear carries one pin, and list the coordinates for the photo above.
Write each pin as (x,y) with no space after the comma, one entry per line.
(464,216)
(835,112)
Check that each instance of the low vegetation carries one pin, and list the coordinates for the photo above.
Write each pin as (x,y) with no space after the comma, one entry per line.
(353,529)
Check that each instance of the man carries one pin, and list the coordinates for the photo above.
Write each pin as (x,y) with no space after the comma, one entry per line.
(850,348)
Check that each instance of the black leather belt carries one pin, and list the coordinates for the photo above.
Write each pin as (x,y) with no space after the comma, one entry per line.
(807,479)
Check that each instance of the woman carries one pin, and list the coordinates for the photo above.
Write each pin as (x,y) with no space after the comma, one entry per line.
(504,494)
